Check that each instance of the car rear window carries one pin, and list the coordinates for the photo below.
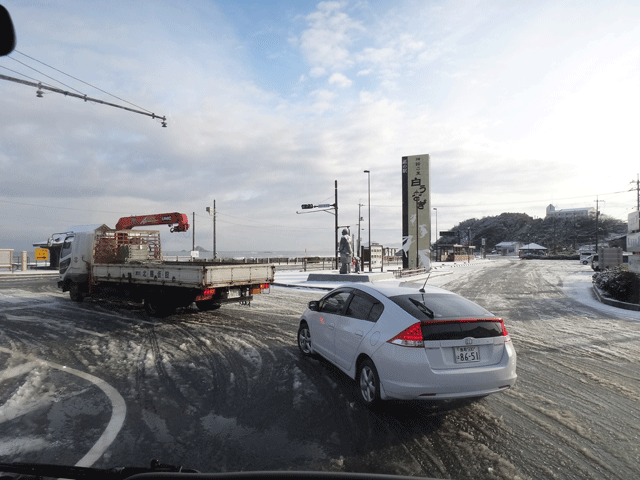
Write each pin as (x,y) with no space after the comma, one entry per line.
(443,306)
(453,330)
(437,314)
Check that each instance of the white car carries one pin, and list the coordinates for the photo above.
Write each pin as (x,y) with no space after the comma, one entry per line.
(403,343)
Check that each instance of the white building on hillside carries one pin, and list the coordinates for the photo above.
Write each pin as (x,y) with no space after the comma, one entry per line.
(571,213)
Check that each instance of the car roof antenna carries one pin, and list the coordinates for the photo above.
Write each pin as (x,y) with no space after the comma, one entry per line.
(425,282)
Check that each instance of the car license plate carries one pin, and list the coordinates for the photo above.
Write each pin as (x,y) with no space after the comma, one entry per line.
(466,354)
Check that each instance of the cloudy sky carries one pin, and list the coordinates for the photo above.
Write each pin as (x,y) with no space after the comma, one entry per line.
(519,104)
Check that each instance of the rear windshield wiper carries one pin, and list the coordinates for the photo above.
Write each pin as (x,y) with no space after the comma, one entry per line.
(423,308)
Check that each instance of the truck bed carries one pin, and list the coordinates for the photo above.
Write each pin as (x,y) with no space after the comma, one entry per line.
(183,274)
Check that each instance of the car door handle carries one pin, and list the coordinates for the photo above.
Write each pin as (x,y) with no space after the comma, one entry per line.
(331,326)
(359,334)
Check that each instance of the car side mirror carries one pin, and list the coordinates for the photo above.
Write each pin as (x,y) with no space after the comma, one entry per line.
(314,305)
(7,33)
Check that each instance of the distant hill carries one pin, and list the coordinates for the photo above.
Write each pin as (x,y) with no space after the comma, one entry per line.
(555,234)
(198,249)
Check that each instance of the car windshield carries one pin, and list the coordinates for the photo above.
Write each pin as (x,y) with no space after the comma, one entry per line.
(182,183)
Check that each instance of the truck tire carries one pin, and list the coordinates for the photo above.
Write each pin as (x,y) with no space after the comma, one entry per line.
(159,307)
(75,294)
(207,305)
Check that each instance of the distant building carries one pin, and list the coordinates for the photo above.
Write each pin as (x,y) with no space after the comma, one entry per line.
(571,213)
(390,251)
(508,248)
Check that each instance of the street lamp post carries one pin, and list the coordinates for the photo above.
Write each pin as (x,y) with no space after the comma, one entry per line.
(369,195)
(358,250)
(436,242)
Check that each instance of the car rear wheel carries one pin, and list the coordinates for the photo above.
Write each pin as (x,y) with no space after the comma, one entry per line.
(207,305)
(156,306)
(368,383)
(304,339)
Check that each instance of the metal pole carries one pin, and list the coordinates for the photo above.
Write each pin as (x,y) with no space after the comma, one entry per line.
(359,220)
(417,233)
(81,97)
(436,242)
(369,195)
(193,247)
(214,230)
(336,225)
(597,212)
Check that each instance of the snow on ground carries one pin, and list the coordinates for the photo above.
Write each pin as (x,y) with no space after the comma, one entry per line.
(577,284)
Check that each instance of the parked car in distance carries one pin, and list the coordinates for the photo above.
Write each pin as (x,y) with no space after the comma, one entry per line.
(402,342)
(585,256)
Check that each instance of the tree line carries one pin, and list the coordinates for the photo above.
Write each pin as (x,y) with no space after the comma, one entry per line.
(553,233)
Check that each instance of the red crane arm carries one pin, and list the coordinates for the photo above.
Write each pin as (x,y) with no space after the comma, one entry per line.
(127,223)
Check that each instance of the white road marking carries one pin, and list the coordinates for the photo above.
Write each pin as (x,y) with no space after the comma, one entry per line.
(90,332)
(16,371)
(118,407)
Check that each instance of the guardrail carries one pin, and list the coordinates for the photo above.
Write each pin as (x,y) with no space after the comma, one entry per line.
(409,272)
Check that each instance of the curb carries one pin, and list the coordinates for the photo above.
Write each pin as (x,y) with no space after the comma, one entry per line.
(614,303)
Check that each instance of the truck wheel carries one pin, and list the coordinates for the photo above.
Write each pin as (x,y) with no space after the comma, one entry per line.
(207,305)
(75,294)
(157,307)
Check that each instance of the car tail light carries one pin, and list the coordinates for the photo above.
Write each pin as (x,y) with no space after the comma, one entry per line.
(416,334)
(410,337)
(504,329)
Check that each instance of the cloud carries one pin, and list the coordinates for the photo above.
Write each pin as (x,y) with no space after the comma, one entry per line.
(340,80)
(325,43)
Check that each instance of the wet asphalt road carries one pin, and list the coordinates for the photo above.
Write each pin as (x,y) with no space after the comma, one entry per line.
(227,390)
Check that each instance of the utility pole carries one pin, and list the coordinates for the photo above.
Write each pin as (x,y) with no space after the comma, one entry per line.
(637,188)
(213,214)
(597,215)
(194,232)
(214,230)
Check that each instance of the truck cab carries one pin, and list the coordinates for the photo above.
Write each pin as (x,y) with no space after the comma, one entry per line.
(76,258)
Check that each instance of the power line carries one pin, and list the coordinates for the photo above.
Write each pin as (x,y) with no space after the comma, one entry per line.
(18,73)
(41,73)
(92,86)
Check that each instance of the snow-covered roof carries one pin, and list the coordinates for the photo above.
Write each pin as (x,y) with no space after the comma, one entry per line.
(532,246)
(507,244)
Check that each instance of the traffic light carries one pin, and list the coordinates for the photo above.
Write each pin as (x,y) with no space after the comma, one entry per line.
(307,206)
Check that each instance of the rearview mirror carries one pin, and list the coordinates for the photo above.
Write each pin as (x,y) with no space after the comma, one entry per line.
(314,305)
(7,33)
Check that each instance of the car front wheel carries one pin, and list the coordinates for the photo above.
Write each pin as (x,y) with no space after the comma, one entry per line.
(75,294)
(304,339)
(368,383)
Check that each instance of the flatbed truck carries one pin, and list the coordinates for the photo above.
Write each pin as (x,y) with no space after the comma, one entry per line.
(127,264)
